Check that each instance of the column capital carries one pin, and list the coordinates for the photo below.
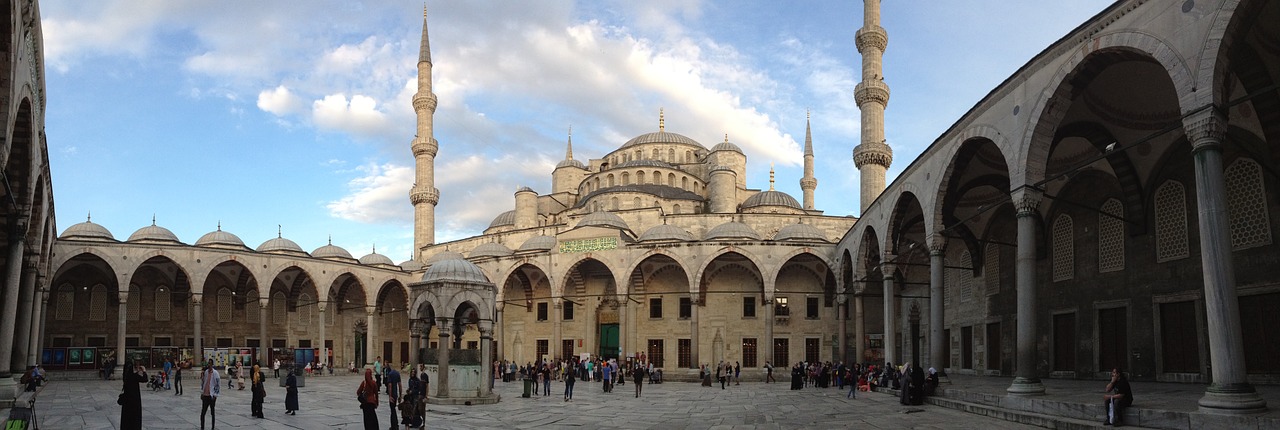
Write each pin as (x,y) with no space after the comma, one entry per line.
(1206,129)
(443,322)
(937,244)
(886,265)
(1026,200)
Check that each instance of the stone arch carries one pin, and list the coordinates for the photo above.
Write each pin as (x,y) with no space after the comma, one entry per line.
(1126,174)
(631,269)
(977,163)
(61,262)
(1230,26)
(695,287)
(568,278)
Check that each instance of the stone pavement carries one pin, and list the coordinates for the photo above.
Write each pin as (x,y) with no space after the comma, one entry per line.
(328,402)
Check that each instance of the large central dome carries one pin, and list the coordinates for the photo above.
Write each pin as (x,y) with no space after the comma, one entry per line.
(662,137)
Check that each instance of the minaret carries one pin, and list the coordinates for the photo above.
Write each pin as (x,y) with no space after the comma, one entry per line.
(808,183)
(424,194)
(873,156)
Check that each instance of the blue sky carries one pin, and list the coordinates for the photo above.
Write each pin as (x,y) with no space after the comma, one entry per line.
(296,115)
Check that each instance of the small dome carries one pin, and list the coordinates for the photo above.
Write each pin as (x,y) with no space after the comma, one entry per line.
(801,232)
(525,189)
(661,137)
(88,231)
(374,258)
(220,239)
(280,245)
(666,232)
(603,219)
(571,163)
(726,146)
(446,255)
(771,198)
(412,265)
(505,218)
(455,270)
(732,230)
(491,250)
(154,234)
(332,251)
(538,243)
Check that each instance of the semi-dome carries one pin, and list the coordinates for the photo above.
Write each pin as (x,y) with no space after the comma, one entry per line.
(771,198)
(726,146)
(538,243)
(446,255)
(455,270)
(220,239)
(802,232)
(603,219)
(154,234)
(332,251)
(661,137)
(505,218)
(664,232)
(732,230)
(280,245)
(491,249)
(88,230)
(412,265)
(374,258)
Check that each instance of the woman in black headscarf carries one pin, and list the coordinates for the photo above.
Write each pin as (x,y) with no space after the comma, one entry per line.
(131,399)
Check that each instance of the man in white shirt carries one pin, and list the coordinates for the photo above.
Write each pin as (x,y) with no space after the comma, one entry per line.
(276,367)
(210,388)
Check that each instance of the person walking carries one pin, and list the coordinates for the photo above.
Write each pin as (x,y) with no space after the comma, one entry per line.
(637,376)
(210,388)
(606,375)
(392,381)
(720,374)
(168,373)
(768,372)
(367,393)
(275,367)
(131,399)
(291,393)
(570,375)
(377,370)
(240,375)
(737,373)
(177,378)
(259,393)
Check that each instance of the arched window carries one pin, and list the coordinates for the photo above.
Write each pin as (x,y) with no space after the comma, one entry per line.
(1171,222)
(635,204)
(133,308)
(252,307)
(98,303)
(671,155)
(1111,236)
(66,302)
(279,313)
(638,154)
(1247,205)
(991,268)
(304,309)
(684,182)
(613,203)
(640,178)
(163,305)
(611,183)
(675,209)
(224,305)
(626,178)
(688,156)
(966,277)
(657,153)
(671,179)
(1063,249)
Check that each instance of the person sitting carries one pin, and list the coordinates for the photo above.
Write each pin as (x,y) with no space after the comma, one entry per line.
(931,382)
(1118,396)
(307,369)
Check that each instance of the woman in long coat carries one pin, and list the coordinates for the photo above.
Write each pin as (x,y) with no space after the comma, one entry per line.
(368,395)
(259,393)
(291,394)
(131,399)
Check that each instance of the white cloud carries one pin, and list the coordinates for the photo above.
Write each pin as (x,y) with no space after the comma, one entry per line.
(379,196)
(360,115)
(279,101)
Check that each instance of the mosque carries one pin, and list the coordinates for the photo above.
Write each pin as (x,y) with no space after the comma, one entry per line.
(1106,206)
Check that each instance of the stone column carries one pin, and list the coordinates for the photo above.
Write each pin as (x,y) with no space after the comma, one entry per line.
(442,358)
(415,344)
(12,284)
(199,337)
(22,340)
(486,358)
(937,291)
(693,333)
(502,334)
(121,329)
(324,353)
(623,325)
(890,316)
(1230,391)
(263,343)
(768,334)
(859,330)
(37,321)
(842,332)
(913,317)
(371,351)
(554,348)
(1026,379)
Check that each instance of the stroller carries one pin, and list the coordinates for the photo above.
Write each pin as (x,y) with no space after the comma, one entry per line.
(156,383)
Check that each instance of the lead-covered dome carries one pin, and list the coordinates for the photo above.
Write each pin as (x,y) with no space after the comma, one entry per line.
(332,252)
(538,243)
(800,232)
(88,230)
(505,218)
(726,146)
(221,239)
(664,233)
(412,265)
(154,234)
(491,249)
(732,230)
(455,270)
(280,245)
(603,219)
(771,198)
(661,137)
(375,259)
(445,255)
(571,163)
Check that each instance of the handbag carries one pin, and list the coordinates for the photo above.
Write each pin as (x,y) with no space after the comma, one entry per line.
(120,399)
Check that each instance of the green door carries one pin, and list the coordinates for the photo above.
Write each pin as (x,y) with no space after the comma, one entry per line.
(609,340)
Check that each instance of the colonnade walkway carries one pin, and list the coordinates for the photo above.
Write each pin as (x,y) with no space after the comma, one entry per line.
(1076,403)
(329,402)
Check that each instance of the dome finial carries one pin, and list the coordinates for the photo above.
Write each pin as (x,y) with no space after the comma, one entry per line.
(375,248)
(89,217)
(331,239)
(279,231)
(726,138)
(770,176)
(219,225)
(662,120)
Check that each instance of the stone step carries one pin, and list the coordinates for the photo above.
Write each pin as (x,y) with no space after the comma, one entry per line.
(1021,417)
